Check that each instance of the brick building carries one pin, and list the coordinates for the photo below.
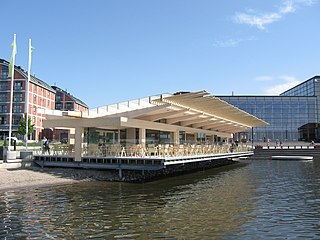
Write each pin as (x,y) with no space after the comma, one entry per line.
(41,96)
(66,102)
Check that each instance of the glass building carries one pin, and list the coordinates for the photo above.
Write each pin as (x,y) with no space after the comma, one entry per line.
(293,115)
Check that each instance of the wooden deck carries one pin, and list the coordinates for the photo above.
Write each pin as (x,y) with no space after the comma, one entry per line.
(131,163)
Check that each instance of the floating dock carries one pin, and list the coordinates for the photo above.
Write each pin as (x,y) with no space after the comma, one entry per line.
(290,158)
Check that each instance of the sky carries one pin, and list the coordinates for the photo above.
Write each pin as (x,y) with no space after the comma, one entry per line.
(109,51)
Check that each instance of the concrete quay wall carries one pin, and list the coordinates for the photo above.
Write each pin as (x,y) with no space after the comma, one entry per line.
(266,153)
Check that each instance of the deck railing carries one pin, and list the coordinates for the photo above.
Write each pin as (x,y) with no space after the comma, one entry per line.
(159,151)
(151,150)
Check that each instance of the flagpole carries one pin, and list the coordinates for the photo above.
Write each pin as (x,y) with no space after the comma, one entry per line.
(11,92)
(27,97)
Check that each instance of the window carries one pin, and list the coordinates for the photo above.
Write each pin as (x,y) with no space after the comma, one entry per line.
(3,108)
(17,108)
(3,120)
(17,97)
(58,106)
(3,97)
(3,86)
(16,120)
(4,72)
(18,85)
(34,98)
(69,106)
(58,97)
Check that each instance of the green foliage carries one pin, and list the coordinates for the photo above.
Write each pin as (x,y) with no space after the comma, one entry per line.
(22,127)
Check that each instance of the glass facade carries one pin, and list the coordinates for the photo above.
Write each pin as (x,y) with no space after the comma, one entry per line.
(293,116)
(306,88)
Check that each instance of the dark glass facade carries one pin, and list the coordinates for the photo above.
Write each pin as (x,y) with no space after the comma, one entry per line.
(293,116)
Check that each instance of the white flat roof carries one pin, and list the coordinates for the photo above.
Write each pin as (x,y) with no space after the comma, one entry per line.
(195,111)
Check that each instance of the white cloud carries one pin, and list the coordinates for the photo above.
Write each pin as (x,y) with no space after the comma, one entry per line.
(231,42)
(307,2)
(287,83)
(263,19)
(287,7)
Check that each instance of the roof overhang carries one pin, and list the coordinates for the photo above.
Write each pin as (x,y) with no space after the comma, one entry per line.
(190,112)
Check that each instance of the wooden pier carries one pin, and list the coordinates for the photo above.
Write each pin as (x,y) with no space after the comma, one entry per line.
(133,163)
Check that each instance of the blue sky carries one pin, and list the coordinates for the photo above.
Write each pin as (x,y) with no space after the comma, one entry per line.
(107,51)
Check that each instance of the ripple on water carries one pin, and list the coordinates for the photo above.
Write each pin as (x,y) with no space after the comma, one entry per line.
(263,199)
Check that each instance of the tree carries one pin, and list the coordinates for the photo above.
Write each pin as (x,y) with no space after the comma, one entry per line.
(22,127)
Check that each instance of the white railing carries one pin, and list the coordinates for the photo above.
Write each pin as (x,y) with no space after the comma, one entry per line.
(159,151)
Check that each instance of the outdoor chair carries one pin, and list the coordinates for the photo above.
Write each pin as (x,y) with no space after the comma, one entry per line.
(152,150)
(93,150)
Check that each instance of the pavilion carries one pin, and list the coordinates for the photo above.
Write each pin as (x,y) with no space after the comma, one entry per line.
(191,123)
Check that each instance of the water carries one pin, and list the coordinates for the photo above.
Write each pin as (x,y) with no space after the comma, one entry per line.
(253,200)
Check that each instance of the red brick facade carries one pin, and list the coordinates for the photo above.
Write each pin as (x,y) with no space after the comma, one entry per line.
(41,96)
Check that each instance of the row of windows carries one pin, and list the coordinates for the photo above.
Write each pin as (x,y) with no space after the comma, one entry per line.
(15,119)
(274,136)
(311,101)
(283,127)
(68,106)
(5,120)
(18,97)
(18,85)
(256,99)
(42,89)
(17,108)
(6,86)
(276,110)
(305,89)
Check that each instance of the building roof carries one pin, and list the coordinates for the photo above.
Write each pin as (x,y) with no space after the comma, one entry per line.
(190,112)
(33,79)
(310,79)
(77,100)
(205,103)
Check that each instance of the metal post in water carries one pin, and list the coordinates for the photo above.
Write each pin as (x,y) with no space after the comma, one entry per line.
(120,173)
(252,137)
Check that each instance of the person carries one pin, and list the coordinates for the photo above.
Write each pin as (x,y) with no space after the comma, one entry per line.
(232,147)
(46,146)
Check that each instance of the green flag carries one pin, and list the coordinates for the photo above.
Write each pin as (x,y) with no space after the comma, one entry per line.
(14,52)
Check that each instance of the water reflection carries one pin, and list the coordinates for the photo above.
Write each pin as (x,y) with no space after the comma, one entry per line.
(262,199)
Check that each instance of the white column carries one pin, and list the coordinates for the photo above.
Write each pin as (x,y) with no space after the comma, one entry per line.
(119,137)
(79,134)
(142,136)
(176,140)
